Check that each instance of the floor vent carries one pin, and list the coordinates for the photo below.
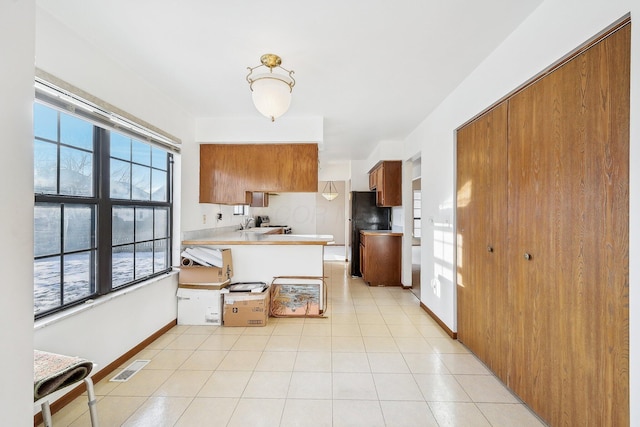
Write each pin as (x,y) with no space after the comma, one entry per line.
(130,371)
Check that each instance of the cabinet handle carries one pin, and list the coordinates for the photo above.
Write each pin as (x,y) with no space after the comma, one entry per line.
(489,248)
(527,256)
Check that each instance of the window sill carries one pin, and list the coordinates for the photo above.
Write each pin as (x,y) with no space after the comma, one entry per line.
(89,304)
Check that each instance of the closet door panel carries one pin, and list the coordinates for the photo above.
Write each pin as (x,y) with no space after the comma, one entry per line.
(466,205)
(568,209)
(481,225)
(533,293)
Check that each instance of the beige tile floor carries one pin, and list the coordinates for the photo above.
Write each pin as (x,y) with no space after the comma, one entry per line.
(377,360)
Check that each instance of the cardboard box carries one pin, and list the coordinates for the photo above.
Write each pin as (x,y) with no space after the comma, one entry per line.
(297,296)
(200,304)
(245,308)
(196,274)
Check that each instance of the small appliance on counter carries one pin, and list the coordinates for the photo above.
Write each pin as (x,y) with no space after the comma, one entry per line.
(263,221)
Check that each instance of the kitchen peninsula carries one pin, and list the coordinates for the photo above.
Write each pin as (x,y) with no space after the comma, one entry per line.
(259,256)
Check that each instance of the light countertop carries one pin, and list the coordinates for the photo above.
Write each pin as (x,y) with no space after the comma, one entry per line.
(260,236)
(380,232)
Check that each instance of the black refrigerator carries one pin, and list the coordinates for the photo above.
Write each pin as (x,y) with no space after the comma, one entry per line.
(365,215)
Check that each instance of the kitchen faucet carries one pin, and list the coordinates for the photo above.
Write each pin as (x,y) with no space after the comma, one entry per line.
(245,224)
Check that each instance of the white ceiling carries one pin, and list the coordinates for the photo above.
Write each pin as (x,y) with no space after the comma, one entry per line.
(373,69)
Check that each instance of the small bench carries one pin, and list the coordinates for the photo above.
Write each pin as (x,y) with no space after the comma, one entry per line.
(53,372)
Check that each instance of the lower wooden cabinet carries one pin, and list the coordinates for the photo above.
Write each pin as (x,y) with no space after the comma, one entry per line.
(380,257)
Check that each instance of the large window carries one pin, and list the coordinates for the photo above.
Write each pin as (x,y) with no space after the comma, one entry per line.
(102,216)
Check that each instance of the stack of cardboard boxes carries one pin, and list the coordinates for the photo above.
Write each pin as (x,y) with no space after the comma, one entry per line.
(204,298)
(248,308)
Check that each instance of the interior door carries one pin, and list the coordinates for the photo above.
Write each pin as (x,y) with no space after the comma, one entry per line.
(481,224)
(568,238)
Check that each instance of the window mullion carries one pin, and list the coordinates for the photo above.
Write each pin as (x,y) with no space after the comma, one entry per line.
(62,254)
(103,279)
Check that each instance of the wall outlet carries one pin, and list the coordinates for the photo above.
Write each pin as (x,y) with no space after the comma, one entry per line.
(435,286)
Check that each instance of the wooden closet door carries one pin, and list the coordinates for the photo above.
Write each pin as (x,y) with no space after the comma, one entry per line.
(481,224)
(568,239)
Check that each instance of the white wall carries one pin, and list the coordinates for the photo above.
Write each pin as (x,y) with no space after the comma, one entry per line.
(109,327)
(360,174)
(335,171)
(112,325)
(230,130)
(61,53)
(330,215)
(340,171)
(297,210)
(553,30)
(17,22)
(386,150)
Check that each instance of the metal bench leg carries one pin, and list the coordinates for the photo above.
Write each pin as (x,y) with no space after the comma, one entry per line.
(93,412)
(46,414)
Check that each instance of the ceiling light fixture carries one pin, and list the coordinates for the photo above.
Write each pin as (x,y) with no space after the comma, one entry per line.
(271,92)
(330,191)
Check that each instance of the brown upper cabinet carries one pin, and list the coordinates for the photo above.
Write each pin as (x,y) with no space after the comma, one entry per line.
(257,199)
(229,171)
(386,179)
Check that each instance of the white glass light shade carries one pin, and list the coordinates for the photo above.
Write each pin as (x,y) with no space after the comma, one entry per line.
(271,94)
(330,191)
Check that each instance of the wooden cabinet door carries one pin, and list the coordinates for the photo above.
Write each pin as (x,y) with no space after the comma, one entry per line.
(228,171)
(482,223)
(381,259)
(390,180)
(386,178)
(373,179)
(363,262)
(568,239)
(257,199)
(364,256)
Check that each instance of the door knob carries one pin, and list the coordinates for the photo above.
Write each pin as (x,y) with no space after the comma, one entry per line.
(489,248)
(527,256)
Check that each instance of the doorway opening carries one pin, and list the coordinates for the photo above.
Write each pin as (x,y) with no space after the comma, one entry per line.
(416,234)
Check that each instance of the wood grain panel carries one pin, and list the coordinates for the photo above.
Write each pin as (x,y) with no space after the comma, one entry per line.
(532,172)
(386,178)
(568,208)
(257,199)
(481,223)
(381,258)
(228,171)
